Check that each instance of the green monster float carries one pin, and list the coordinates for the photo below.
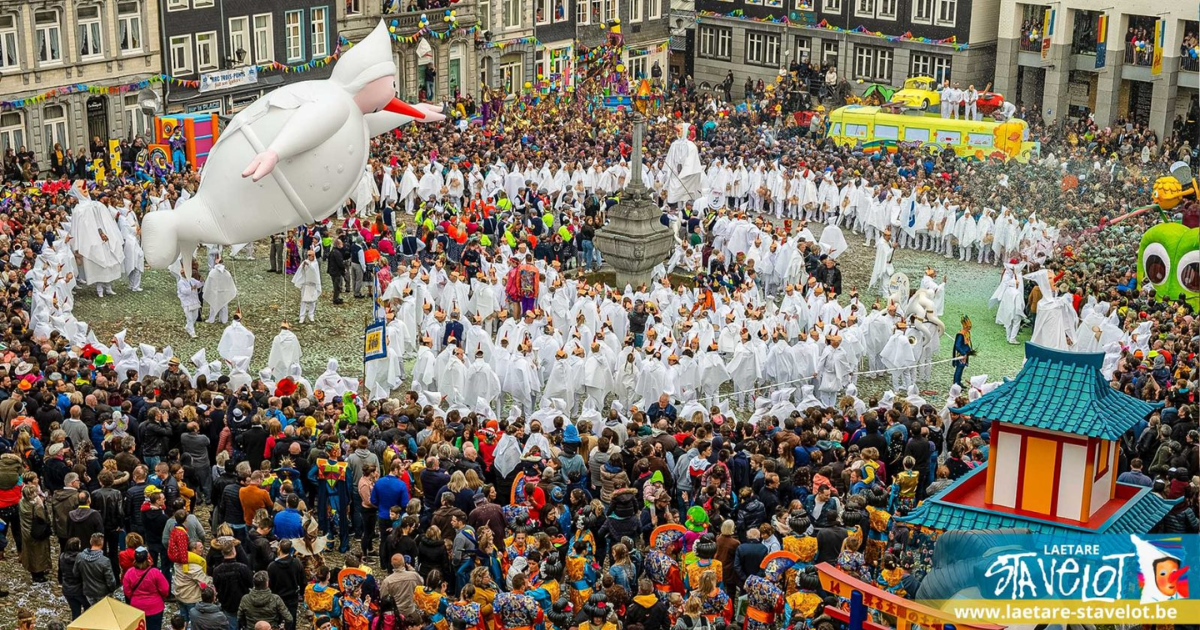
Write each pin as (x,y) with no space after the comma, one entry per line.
(1169,255)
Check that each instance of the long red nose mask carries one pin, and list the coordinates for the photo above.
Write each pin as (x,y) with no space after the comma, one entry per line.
(397,106)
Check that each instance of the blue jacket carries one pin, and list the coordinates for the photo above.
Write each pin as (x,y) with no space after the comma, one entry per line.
(289,524)
(388,491)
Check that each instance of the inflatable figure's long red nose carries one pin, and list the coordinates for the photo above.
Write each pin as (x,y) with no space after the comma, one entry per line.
(398,106)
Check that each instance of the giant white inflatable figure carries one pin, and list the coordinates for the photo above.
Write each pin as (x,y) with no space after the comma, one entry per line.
(291,158)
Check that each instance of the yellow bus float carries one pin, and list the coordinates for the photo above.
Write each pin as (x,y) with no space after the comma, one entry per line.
(883,128)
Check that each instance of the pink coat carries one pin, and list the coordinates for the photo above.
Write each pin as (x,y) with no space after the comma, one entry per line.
(150,593)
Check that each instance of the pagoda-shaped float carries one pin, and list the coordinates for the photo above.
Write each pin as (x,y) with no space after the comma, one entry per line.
(1052,461)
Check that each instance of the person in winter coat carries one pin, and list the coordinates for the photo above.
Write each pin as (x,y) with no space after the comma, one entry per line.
(431,553)
(207,615)
(647,609)
(95,572)
(72,586)
(11,468)
(146,589)
(35,533)
(612,476)
(287,579)
(260,604)
(84,521)
(188,579)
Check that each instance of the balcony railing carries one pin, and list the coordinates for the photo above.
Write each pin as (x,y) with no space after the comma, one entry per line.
(413,7)
(1031,39)
(1138,56)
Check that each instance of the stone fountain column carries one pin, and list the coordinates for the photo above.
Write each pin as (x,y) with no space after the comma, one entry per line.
(634,240)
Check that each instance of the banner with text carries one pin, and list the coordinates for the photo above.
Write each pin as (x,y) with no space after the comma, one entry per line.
(1063,579)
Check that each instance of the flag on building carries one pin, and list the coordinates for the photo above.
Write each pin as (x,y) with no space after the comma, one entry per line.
(1101,40)
(1160,28)
(1047,32)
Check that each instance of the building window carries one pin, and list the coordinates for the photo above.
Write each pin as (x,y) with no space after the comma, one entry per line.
(353,7)
(206,51)
(872,63)
(9,52)
(638,66)
(181,54)
(541,12)
(129,27)
(922,11)
(560,11)
(264,51)
(877,9)
(832,6)
(293,35)
(12,131)
(947,12)
(558,67)
(510,77)
(484,9)
(610,10)
(635,10)
(755,2)
(177,5)
(137,123)
(829,53)
(49,37)
(803,52)
(239,39)
(54,124)
(90,44)
(655,9)
(582,16)
(716,42)
(319,17)
(203,4)
(512,13)
(925,65)
(762,49)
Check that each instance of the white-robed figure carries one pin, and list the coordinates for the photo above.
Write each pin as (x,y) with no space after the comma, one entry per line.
(219,292)
(292,157)
(685,171)
(135,259)
(1056,321)
(1009,299)
(187,289)
(236,341)
(836,370)
(899,356)
(937,290)
(483,386)
(366,193)
(97,239)
(308,279)
(285,350)
(388,191)
(333,384)
(882,272)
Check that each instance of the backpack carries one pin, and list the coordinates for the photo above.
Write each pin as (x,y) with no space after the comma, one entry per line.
(177,545)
